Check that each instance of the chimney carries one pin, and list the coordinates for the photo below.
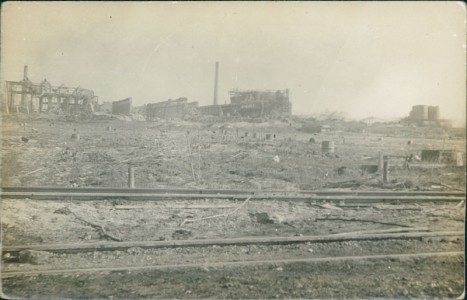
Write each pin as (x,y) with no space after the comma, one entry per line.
(25,76)
(216,78)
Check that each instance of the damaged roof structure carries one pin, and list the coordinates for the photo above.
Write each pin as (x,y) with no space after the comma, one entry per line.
(27,97)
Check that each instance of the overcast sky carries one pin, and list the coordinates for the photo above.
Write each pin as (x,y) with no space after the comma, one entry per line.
(361,58)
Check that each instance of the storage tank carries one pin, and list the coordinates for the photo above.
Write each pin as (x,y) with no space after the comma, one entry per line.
(420,112)
(433,113)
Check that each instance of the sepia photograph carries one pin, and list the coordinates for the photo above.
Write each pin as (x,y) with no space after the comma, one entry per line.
(233,150)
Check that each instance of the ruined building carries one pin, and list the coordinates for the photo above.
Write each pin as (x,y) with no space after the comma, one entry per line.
(171,109)
(122,107)
(26,96)
(253,104)
(250,103)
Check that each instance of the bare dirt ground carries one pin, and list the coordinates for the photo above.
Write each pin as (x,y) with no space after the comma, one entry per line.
(219,155)
(412,278)
(32,222)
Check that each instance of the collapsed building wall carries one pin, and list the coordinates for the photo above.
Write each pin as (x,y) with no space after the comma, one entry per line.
(122,107)
(171,109)
(26,96)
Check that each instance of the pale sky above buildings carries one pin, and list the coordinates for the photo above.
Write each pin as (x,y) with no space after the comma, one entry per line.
(362,58)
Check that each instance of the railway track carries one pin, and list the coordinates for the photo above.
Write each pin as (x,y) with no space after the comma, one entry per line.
(394,234)
(52,193)
(274,262)
(224,191)
(192,255)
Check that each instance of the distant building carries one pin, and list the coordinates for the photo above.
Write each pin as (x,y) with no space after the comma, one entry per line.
(424,112)
(424,115)
(171,109)
(122,107)
(27,97)
(253,103)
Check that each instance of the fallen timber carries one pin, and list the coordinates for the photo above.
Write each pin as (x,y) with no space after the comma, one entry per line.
(225,264)
(265,240)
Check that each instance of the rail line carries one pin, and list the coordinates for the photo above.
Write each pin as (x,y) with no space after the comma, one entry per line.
(389,234)
(52,193)
(224,191)
(224,264)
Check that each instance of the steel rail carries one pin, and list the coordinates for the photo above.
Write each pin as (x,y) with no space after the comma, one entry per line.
(224,264)
(264,240)
(224,191)
(157,196)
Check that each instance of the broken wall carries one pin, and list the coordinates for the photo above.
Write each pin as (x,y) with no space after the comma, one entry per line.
(171,109)
(122,107)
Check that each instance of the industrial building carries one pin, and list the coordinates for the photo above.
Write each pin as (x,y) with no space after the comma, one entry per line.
(171,109)
(249,103)
(253,104)
(27,97)
(122,107)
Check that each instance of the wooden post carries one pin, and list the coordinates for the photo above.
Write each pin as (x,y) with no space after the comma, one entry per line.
(131,177)
(385,171)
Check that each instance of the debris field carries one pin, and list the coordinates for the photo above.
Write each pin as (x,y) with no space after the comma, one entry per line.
(272,155)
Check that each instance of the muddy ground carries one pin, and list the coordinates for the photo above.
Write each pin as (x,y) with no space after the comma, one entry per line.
(219,155)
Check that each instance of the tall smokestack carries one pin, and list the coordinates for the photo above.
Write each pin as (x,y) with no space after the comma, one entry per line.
(24,104)
(25,74)
(216,78)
